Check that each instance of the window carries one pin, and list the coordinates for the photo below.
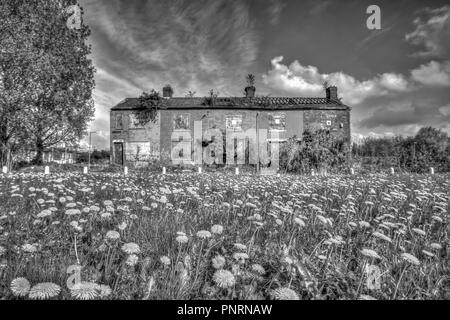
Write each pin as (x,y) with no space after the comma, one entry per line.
(118,122)
(138,151)
(134,122)
(277,122)
(328,122)
(234,123)
(181,122)
(341,125)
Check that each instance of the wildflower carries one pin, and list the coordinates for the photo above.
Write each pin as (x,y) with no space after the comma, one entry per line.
(20,287)
(218,262)
(44,291)
(122,226)
(410,258)
(132,260)
(204,234)
(112,235)
(224,279)
(131,248)
(29,248)
(240,256)
(44,213)
(419,231)
(366,297)
(241,247)
(258,269)
(104,290)
(299,222)
(84,291)
(278,222)
(381,236)
(428,253)
(182,239)
(436,246)
(165,260)
(285,294)
(217,229)
(72,212)
(2,251)
(322,219)
(370,253)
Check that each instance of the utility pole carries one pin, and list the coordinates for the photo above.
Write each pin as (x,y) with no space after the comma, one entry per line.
(89,152)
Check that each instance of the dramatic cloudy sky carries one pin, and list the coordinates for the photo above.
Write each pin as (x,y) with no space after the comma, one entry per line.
(397,79)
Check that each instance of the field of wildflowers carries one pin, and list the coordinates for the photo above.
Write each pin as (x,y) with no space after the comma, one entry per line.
(221,236)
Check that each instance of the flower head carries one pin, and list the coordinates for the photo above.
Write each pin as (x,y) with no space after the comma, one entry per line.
(204,234)
(20,287)
(84,291)
(217,229)
(132,260)
(370,253)
(410,258)
(44,291)
(218,262)
(224,279)
(112,235)
(285,294)
(131,248)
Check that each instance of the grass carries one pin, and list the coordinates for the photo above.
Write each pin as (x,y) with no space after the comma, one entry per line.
(336,237)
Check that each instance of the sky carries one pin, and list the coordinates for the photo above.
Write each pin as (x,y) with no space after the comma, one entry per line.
(396,79)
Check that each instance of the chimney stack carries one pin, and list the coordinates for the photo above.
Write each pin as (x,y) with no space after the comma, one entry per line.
(167,92)
(250,91)
(332,93)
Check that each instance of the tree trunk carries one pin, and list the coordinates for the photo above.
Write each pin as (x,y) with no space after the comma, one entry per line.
(38,159)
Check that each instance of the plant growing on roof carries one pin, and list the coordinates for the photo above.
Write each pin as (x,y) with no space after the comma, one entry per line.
(210,100)
(147,109)
(250,80)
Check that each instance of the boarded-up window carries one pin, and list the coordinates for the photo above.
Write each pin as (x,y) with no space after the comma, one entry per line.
(134,122)
(138,151)
(181,122)
(234,123)
(277,121)
(118,122)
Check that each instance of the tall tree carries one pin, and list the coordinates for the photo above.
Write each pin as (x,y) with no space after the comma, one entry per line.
(53,69)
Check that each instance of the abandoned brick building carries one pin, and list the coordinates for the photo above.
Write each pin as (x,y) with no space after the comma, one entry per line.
(178,121)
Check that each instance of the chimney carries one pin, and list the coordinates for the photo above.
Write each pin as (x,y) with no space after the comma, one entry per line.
(332,93)
(167,91)
(250,91)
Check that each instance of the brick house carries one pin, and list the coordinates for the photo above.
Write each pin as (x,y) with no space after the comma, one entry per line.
(183,121)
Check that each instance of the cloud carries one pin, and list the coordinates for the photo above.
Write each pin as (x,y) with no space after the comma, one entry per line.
(192,45)
(275,10)
(432,33)
(433,74)
(388,102)
(297,79)
(396,115)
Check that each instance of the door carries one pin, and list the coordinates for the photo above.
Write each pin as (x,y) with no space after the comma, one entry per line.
(118,153)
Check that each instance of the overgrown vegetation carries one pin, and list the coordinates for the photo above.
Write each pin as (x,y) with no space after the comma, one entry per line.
(216,236)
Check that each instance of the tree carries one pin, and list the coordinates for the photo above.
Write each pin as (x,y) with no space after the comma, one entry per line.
(52,69)
(148,106)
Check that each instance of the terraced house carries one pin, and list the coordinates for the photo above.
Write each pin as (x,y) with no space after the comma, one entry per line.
(186,128)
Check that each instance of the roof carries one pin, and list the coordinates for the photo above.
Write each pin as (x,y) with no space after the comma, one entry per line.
(257,103)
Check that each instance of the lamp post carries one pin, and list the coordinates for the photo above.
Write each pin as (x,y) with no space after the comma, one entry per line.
(257,144)
(89,152)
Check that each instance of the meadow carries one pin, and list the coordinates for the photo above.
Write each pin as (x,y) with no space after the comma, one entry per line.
(220,236)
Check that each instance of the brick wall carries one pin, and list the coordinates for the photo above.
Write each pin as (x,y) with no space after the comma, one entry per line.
(163,139)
